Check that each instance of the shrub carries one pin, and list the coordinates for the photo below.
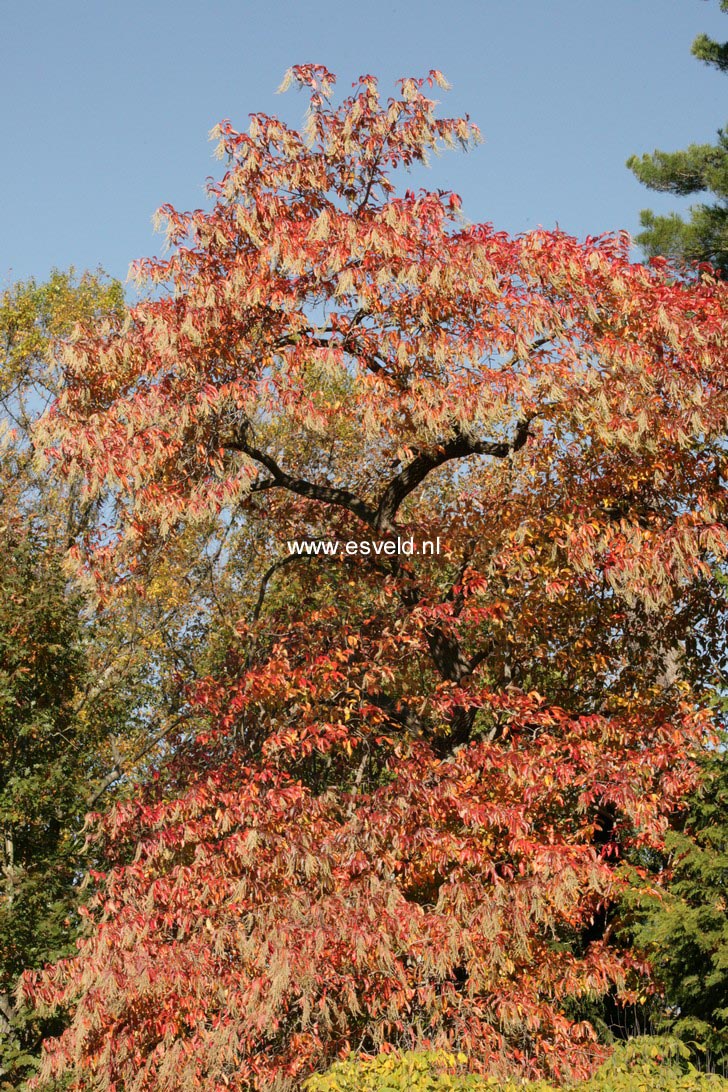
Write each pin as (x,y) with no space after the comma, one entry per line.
(644,1064)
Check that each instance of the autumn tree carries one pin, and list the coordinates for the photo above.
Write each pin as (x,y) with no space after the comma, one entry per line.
(698,169)
(75,681)
(402,818)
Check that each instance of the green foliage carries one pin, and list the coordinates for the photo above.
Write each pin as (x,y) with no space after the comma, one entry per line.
(700,168)
(40,663)
(425,1071)
(711,52)
(33,314)
(651,1064)
(684,928)
(52,737)
(48,753)
(646,1064)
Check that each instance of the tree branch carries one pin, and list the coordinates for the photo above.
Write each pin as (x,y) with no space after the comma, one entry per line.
(269,573)
(458,447)
(117,770)
(445,650)
(327,494)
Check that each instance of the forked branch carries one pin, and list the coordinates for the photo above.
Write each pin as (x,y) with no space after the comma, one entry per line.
(458,447)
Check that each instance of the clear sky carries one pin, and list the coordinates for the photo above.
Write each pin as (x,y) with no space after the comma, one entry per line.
(105,107)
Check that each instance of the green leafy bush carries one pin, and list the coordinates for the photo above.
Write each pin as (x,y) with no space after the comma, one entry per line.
(645,1064)
(411,1071)
(652,1064)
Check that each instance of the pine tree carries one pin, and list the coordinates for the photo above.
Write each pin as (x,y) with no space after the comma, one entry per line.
(684,928)
(698,169)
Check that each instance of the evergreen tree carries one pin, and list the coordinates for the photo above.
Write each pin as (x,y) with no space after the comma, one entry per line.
(684,928)
(698,169)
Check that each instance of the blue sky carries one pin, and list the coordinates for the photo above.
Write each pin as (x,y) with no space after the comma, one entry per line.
(105,107)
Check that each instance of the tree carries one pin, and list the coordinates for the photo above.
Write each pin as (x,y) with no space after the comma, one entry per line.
(52,750)
(700,168)
(690,961)
(402,817)
(33,317)
(48,759)
(683,926)
(75,679)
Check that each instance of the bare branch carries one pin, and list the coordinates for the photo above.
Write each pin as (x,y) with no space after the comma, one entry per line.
(328,494)
(117,771)
(458,447)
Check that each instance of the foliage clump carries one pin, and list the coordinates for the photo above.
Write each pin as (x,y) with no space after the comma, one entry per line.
(646,1064)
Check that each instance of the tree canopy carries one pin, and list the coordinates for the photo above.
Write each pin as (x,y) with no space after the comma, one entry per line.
(53,747)
(408,784)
